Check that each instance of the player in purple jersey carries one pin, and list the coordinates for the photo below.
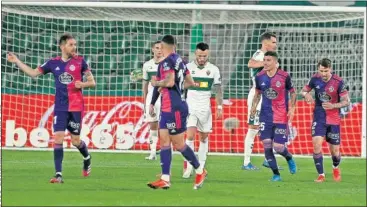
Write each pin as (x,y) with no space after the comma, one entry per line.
(172,78)
(68,70)
(273,85)
(331,94)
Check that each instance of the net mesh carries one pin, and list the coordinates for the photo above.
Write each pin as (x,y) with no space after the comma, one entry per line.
(116,41)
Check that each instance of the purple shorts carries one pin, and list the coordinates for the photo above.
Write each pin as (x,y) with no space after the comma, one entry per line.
(330,132)
(277,132)
(174,121)
(70,120)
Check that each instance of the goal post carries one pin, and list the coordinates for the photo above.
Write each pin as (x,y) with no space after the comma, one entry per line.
(115,39)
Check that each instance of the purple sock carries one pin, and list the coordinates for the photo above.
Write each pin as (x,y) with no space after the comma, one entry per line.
(189,155)
(83,149)
(58,156)
(319,162)
(270,157)
(336,160)
(284,152)
(166,158)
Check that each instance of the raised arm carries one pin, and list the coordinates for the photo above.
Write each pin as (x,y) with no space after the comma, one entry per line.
(25,68)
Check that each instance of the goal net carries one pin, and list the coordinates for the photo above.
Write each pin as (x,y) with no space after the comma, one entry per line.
(115,39)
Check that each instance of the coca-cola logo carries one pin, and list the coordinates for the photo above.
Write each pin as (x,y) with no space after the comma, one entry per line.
(122,122)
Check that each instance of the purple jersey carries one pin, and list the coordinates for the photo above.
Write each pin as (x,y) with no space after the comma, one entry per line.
(67,97)
(274,92)
(172,98)
(330,91)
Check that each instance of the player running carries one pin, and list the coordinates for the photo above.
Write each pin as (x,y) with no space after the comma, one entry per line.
(172,78)
(68,70)
(150,69)
(331,94)
(205,74)
(256,64)
(274,85)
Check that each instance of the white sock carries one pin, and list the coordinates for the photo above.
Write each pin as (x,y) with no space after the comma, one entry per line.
(200,169)
(165,177)
(202,152)
(249,143)
(154,140)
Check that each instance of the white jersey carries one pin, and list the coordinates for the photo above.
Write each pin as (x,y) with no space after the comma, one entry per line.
(258,56)
(198,97)
(149,69)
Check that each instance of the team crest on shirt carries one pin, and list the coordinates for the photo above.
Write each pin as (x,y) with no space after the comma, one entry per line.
(208,72)
(331,89)
(66,78)
(324,97)
(72,67)
(278,84)
(271,93)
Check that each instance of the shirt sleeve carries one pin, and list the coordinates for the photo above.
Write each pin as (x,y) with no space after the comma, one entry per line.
(288,84)
(167,68)
(309,86)
(257,86)
(342,89)
(85,66)
(45,67)
(145,73)
(217,78)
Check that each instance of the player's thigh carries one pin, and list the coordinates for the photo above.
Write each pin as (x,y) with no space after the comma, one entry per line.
(333,134)
(266,130)
(205,121)
(190,133)
(192,119)
(174,122)
(280,134)
(253,121)
(164,138)
(75,122)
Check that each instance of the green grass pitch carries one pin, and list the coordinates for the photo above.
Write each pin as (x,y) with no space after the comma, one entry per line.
(120,179)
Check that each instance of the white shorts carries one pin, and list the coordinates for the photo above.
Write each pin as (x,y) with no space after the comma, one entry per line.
(157,110)
(253,120)
(200,119)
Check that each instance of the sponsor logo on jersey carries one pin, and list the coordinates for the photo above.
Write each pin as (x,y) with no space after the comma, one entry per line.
(270,93)
(263,84)
(324,97)
(204,85)
(280,131)
(66,78)
(171,125)
(331,89)
(57,68)
(74,125)
(333,135)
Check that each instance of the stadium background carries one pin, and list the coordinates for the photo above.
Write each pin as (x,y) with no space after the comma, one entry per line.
(115,48)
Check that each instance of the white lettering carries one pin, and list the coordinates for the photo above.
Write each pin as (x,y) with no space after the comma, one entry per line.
(11,131)
(39,137)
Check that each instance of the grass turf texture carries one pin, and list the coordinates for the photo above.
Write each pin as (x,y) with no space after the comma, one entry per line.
(120,179)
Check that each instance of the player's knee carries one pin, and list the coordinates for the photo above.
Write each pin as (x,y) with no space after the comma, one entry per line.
(204,138)
(191,138)
(334,150)
(75,141)
(59,137)
(268,144)
(279,148)
(153,126)
(178,145)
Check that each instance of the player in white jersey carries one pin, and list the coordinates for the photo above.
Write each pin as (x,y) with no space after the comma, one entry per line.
(205,75)
(150,69)
(256,64)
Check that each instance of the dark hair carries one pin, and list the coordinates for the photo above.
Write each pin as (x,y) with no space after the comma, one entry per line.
(325,62)
(156,42)
(65,37)
(202,46)
(267,36)
(271,53)
(168,39)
